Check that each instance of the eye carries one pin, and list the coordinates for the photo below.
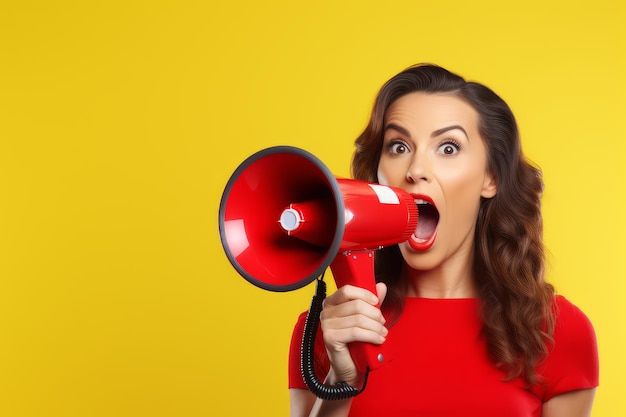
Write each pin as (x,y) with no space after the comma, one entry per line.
(398,147)
(449,147)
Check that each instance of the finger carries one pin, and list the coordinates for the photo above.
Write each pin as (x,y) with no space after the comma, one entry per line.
(350,292)
(337,339)
(352,308)
(381,289)
(355,321)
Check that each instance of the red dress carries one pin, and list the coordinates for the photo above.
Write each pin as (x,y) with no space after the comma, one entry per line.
(440,365)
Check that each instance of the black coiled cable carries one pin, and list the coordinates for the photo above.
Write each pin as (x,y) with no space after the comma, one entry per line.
(340,390)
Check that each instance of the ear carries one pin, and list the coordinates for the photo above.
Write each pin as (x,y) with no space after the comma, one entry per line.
(490,188)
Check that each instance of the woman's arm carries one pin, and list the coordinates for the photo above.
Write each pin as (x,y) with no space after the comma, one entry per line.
(570,404)
(305,404)
(301,402)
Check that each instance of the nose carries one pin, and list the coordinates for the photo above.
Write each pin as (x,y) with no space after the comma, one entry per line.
(419,170)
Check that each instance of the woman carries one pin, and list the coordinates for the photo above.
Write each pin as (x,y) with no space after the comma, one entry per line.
(475,328)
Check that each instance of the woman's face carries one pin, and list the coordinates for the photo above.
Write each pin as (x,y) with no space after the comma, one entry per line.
(432,148)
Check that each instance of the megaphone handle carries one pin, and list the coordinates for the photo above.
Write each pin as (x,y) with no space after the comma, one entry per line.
(340,390)
(357,268)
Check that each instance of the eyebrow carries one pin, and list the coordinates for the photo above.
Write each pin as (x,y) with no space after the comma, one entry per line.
(447,129)
(434,134)
(397,128)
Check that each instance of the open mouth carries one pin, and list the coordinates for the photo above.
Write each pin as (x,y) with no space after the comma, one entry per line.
(426,231)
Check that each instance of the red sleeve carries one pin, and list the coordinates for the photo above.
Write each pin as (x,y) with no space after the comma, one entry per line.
(322,364)
(572,362)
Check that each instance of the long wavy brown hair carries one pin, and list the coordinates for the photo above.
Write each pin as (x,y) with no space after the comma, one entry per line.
(508,266)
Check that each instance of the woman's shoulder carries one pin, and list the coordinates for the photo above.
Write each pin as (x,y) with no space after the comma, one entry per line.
(568,308)
(572,360)
(572,326)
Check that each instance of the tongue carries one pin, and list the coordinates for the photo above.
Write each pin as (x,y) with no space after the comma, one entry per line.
(427,221)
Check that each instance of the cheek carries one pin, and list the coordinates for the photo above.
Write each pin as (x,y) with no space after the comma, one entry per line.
(466,177)
(382,178)
(386,173)
(463,197)
(392,172)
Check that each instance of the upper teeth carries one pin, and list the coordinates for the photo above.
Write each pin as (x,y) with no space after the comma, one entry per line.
(420,201)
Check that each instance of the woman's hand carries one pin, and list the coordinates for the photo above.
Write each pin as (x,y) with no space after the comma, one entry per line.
(351,315)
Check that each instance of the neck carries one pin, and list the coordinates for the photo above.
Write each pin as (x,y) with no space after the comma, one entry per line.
(445,281)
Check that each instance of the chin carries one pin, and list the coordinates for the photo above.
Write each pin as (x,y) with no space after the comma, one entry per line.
(420,260)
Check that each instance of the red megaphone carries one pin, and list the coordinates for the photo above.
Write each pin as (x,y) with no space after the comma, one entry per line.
(284,218)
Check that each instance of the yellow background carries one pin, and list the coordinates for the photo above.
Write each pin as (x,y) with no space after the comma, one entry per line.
(121,122)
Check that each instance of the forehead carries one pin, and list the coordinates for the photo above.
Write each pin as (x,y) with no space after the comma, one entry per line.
(432,108)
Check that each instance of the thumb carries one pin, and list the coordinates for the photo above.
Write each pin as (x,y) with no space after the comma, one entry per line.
(381,289)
